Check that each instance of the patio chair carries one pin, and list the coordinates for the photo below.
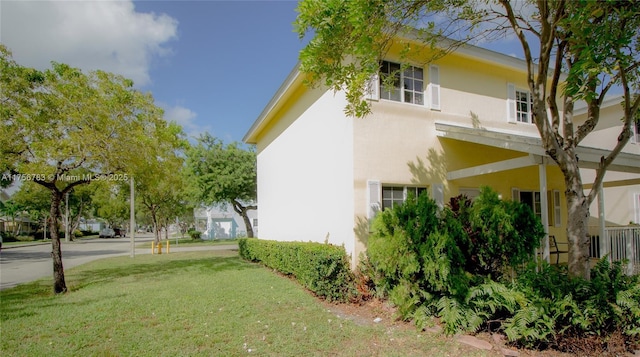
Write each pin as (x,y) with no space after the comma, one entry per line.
(554,248)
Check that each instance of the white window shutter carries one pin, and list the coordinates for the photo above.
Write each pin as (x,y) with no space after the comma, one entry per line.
(372,90)
(515,194)
(557,210)
(434,87)
(373,198)
(511,103)
(437,193)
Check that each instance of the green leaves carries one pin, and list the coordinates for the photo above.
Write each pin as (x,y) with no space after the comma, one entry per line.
(220,173)
(68,128)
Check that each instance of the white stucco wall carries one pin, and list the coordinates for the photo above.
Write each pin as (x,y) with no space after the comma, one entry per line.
(305,173)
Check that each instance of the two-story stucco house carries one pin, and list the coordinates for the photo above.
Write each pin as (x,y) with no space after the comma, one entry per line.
(448,127)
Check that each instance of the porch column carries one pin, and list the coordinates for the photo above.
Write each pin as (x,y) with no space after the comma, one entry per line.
(544,208)
(602,239)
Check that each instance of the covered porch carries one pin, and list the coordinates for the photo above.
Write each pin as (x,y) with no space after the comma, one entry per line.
(527,152)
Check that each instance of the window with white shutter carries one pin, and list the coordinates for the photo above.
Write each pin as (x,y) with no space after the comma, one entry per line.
(511,103)
(557,218)
(401,83)
(373,198)
(434,87)
(372,89)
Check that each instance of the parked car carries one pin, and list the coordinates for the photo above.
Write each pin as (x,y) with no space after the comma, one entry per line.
(107,233)
(120,232)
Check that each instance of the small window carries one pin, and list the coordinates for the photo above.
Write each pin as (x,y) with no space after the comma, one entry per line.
(394,196)
(635,135)
(401,85)
(524,107)
(470,193)
(255,222)
(532,199)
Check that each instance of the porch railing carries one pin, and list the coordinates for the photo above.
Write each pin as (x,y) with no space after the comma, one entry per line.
(621,243)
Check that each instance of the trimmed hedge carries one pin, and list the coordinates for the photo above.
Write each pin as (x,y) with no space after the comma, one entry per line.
(321,268)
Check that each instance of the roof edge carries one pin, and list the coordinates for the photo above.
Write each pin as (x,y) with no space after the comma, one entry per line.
(295,73)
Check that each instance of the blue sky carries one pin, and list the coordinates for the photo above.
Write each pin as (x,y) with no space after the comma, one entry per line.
(212,65)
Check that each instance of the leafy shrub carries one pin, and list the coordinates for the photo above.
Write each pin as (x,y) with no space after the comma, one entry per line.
(25,238)
(321,268)
(7,236)
(194,234)
(77,233)
(495,235)
(430,261)
(561,307)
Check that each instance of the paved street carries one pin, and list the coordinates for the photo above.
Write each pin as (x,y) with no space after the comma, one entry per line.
(27,263)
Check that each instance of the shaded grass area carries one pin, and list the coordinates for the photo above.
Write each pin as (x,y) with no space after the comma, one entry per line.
(205,303)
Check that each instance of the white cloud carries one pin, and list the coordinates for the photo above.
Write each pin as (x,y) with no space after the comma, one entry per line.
(184,117)
(106,35)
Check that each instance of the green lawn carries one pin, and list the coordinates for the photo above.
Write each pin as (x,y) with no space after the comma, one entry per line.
(193,242)
(205,303)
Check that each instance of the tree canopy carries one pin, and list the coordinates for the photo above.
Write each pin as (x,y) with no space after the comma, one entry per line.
(223,174)
(62,128)
(573,50)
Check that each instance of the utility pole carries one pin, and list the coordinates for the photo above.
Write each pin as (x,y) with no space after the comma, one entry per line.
(132,220)
(67,238)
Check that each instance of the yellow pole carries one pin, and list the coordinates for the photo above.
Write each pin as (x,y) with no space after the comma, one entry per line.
(167,247)
(153,247)
(159,248)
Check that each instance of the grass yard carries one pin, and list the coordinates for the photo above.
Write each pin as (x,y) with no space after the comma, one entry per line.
(190,242)
(205,303)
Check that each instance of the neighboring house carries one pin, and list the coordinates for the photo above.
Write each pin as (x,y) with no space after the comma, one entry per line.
(93,225)
(223,223)
(456,124)
(22,223)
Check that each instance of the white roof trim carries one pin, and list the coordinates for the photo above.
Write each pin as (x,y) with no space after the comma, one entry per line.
(284,88)
(580,107)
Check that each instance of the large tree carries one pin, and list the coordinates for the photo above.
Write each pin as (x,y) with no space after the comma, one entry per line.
(573,50)
(62,128)
(160,191)
(222,174)
(110,201)
(36,201)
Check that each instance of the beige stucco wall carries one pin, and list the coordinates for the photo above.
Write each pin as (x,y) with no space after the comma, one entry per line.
(398,144)
(620,204)
(314,163)
(606,133)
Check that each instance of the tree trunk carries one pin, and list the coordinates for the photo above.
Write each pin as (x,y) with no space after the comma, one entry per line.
(242,211)
(577,228)
(166,229)
(156,226)
(59,284)
(247,223)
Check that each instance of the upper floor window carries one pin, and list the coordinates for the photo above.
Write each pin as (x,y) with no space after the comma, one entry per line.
(519,105)
(524,106)
(401,84)
(635,137)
